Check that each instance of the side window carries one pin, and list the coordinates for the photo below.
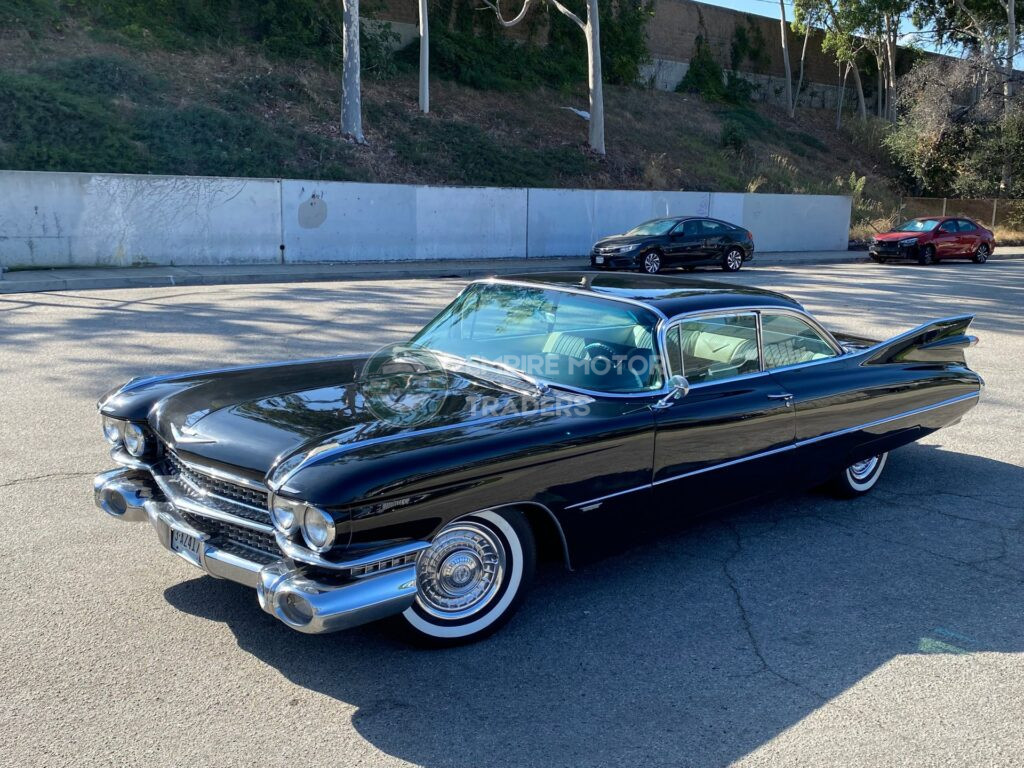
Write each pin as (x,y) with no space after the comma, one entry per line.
(948,227)
(691,228)
(789,340)
(674,351)
(966,226)
(718,347)
(713,228)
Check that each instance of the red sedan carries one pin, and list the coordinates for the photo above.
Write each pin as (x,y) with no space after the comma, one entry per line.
(931,239)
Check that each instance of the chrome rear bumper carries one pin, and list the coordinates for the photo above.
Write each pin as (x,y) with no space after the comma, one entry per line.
(285,590)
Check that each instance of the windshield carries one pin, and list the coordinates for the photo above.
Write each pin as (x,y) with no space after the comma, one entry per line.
(655,227)
(562,338)
(918,225)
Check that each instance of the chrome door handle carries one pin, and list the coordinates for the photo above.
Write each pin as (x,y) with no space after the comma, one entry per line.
(785,396)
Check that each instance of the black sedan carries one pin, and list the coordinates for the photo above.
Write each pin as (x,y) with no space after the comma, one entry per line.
(685,242)
(570,413)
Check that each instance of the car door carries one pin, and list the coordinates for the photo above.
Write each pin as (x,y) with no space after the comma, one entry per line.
(725,439)
(686,243)
(947,239)
(970,237)
(716,237)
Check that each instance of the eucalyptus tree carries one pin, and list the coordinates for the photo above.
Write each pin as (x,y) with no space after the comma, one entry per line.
(838,19)
(591,28)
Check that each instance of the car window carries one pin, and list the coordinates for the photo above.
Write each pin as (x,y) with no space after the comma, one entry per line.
(716,348)
(789,340)
(966,226)
(691,227)
(674,351)
(713,228)
(948,226)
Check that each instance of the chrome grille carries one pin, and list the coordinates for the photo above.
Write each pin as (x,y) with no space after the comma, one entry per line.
(240,500)
(237,539)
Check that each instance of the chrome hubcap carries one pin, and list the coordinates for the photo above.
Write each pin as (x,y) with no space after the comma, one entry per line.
(735,259)
(983,253)
(461,572)
(863,469)
(652,262)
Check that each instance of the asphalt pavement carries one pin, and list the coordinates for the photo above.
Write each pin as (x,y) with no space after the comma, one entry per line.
(803,630)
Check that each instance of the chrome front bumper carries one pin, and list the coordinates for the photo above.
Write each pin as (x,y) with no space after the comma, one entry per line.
(284,589)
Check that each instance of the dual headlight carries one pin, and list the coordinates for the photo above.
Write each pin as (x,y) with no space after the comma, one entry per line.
(316,526)
(127,433)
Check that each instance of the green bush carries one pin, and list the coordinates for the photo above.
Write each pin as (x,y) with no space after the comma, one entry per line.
(733,136)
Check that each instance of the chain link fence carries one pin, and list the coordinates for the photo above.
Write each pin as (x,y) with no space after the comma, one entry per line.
(992,212)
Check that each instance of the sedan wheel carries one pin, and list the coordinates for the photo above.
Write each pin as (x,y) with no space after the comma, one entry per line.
(732,260)
(927,255)
(981,255)
(472,578)
(652,263)
(860,477)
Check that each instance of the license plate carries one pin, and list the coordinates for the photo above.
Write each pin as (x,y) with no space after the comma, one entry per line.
(185,543)
(599,259)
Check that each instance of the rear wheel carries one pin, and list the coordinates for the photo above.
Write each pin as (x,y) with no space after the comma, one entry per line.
(732,260)
(860,477)
(927,255)
(981,255)
(471,579)
(651,263)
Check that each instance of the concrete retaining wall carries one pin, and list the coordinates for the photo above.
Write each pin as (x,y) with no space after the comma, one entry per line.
(76,219)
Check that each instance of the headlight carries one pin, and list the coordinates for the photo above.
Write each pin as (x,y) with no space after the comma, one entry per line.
(909,241)
(286,514)
(112,430)
(317,529)
(134,439)
(628,248)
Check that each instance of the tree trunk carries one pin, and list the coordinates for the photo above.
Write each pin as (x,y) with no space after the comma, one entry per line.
(592,30)
(351,99)
(862,108)
(790,104)
(880,93)
(890,54)
(1011,51)
(842,95)
(800,80)
(424,58)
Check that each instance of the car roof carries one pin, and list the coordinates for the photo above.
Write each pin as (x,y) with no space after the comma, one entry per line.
(668,295)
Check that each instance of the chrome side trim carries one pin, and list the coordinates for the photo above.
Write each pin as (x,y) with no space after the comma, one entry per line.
(308,556)
(782,449)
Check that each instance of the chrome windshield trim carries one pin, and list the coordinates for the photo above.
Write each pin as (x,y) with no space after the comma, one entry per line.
(569,289)
(782,449)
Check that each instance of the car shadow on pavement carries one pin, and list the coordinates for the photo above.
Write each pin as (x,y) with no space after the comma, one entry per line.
(698,648)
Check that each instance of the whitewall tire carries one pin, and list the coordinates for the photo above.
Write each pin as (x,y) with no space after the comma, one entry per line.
(860,477)
(472,578)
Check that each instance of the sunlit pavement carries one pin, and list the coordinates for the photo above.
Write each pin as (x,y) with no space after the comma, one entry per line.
(803,630)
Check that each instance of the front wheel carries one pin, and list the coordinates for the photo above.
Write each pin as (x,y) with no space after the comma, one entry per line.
(471,579)
(732,260)
(651,263)
(927,255)
(981,255)
(860,477)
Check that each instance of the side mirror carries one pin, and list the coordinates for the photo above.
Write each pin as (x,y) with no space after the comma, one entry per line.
(678,388)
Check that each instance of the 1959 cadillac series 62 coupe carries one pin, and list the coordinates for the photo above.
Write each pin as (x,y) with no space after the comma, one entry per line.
(570,411)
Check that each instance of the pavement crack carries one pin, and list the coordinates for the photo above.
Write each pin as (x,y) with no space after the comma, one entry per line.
(748,626)
(50,476)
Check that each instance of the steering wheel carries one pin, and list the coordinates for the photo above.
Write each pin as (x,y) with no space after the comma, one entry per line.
(598,349)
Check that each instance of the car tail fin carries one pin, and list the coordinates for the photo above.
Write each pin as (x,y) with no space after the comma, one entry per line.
(940,341)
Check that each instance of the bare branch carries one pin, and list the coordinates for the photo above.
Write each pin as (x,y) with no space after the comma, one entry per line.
(493,5)
(566,12)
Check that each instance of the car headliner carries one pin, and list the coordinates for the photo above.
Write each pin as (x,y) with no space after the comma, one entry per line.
(668,295)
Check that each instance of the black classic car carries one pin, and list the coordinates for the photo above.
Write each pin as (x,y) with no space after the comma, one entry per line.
(571,412)
(684,241)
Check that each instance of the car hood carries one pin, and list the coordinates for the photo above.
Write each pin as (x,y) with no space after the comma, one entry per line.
(256,420)
(618,240)
(889,237)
